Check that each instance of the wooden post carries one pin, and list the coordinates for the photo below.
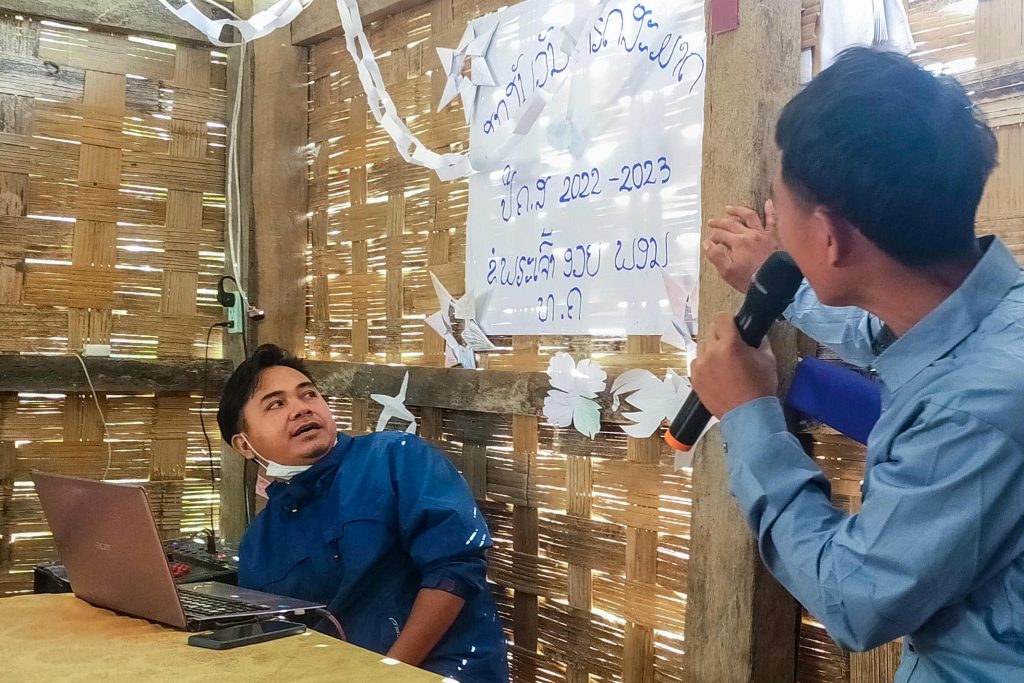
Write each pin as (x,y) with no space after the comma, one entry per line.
(273,204)
(740,625)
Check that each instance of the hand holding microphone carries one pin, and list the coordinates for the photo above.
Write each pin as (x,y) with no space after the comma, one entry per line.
(725,368)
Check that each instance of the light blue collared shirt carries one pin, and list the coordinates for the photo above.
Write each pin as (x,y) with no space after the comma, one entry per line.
(936,552)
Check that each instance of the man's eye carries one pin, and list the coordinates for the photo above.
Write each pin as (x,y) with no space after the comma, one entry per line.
(275,404)
(311,394)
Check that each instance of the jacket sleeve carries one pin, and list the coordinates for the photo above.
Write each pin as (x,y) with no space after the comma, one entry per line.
(439,523)
(942,512)
(851,333)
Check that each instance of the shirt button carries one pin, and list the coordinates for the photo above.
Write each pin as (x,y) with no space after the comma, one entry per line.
(295,509)
(335,556)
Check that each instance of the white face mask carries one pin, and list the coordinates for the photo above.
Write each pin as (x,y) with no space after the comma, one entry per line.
(274,469)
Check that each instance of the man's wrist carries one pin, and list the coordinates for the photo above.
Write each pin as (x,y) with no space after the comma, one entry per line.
(749,424)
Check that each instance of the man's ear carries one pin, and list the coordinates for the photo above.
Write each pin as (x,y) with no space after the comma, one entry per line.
(242,447)
(837,237)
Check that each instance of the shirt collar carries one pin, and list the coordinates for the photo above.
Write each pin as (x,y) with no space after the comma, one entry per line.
(953,319)
(304,484)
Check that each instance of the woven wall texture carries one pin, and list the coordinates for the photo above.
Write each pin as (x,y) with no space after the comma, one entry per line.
(111,231)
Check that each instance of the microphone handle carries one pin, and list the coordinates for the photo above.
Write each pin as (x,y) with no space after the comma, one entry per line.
(693,417)
(688,424)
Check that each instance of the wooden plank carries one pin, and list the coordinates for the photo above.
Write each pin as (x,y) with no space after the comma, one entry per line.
(279,188)
(64,374)
(132,16)
(238,475)
(995,79)
(740,625)
(321,21)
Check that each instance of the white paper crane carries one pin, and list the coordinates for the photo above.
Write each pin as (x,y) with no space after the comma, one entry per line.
(473,46)
(394,406)
(683,326)
(464,308)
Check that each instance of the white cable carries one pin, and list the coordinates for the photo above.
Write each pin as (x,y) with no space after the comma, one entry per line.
(96,400)
(233,221)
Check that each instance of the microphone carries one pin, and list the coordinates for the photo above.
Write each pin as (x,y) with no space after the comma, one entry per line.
(771,289)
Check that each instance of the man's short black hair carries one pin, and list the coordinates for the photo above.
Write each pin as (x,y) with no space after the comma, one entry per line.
(897,152)
(242,384)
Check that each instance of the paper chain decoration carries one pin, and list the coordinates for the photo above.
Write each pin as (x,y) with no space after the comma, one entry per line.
(276,16)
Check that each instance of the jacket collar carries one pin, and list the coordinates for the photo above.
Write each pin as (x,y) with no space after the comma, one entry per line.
(304,484)
(954,319)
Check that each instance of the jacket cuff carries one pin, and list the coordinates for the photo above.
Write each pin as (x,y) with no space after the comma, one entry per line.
(449,584)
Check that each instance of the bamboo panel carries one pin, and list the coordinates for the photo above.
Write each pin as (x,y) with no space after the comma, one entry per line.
(154,438)
(591,536)
(943,32)
(111,189)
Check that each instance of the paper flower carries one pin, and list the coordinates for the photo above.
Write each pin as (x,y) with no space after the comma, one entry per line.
(473,46)
(394,406)
(656,400)
(574,388)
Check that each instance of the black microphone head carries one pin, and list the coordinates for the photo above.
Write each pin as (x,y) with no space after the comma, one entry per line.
(775,283)
(770,291)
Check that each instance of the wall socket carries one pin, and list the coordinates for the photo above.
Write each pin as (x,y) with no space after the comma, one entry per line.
(235,316)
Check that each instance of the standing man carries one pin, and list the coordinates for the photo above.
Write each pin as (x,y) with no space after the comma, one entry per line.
(380,527)
(883,165)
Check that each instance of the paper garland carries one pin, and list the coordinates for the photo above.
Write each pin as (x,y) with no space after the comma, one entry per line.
(276,16)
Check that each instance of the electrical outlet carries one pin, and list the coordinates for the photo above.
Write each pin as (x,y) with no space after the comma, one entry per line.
(236,315)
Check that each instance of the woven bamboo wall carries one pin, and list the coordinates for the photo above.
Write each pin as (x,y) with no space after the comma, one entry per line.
(111,231)
(591,536)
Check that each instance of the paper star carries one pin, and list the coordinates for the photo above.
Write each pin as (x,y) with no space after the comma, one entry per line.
(464,308)
(473,47)
(394,406)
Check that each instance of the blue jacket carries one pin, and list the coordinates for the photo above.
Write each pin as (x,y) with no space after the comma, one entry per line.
(936,552)
(378,518)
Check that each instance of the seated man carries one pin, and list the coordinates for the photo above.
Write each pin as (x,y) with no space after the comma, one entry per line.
(379,527)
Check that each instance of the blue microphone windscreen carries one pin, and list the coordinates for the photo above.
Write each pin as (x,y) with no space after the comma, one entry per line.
(847,401)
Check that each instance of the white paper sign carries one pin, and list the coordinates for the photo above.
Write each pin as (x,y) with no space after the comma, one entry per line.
(571,235)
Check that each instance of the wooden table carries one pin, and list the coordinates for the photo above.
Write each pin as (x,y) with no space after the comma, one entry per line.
(59,638)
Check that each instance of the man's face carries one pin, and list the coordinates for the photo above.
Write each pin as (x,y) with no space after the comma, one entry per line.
(287,420)
(803,233)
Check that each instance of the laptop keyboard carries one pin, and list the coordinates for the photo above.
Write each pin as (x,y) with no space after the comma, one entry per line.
(209,606)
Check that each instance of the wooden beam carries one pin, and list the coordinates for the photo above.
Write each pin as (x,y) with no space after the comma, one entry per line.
(279,188)
(237,477)
(49,374)
(995,79)
(320,20)
(741,626)
(493,391)
(130,16)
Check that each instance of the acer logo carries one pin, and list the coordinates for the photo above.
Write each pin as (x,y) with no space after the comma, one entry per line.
(102,546)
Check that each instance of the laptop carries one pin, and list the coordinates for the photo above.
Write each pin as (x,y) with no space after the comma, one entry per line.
(110,547)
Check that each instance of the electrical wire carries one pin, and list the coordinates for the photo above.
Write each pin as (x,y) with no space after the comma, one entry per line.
(334,621)
(103,420)
(202,418)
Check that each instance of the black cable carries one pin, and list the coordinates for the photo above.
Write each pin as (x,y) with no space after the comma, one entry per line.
(202,419)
